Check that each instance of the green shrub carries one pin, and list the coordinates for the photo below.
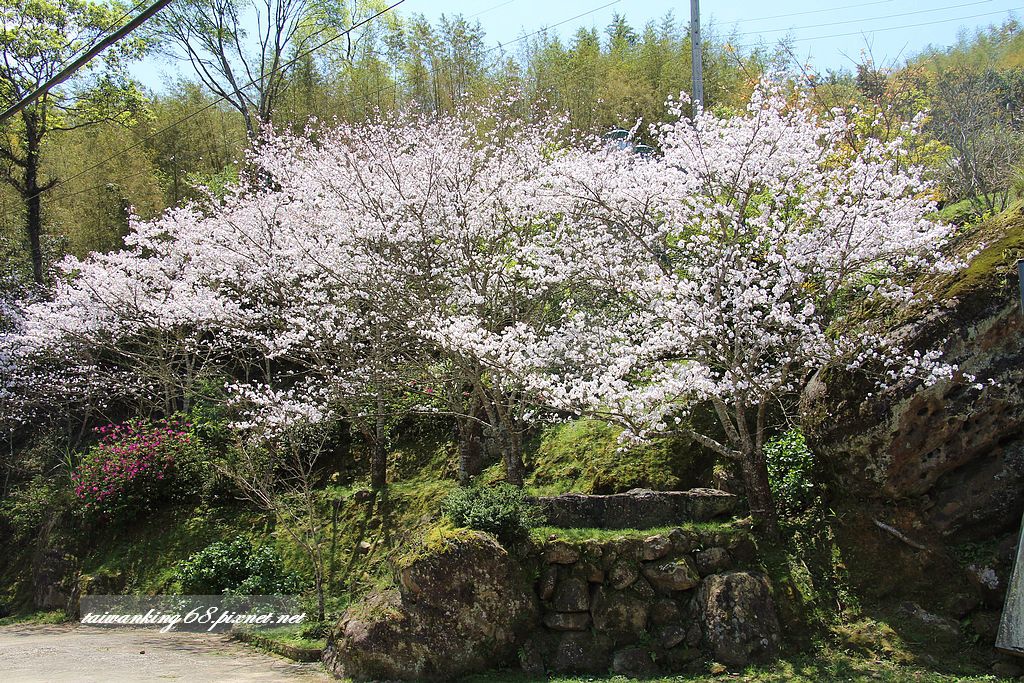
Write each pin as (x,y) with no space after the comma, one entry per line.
(791,472)
(236,567)
(502,510)
(26,509)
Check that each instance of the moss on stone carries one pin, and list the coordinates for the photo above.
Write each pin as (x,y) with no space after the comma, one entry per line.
(438,538)
(586,456)
(544,534)
(991,249)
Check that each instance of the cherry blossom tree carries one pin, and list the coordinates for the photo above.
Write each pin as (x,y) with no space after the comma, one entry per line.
(482,268)
(334,291)
(722,271)
(434,210)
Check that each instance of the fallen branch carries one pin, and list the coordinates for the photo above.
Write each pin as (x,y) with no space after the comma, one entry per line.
(899,534)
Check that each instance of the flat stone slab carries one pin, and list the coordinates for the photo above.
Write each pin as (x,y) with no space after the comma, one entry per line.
(635,509)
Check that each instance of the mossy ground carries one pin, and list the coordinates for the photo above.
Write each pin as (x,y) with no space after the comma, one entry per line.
(43,617)
(586,456)
(999,242)
(834,630)
(144,555)
(822,667)
(293,636)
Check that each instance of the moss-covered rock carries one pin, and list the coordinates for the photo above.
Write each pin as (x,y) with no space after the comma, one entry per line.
(738,618)
(957,446)
(463,606)
(586,456)
(635,509)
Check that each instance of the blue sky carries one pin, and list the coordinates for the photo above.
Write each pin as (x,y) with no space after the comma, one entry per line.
(828,34)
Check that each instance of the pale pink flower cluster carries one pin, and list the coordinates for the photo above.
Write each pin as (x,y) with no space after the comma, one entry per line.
(482,257)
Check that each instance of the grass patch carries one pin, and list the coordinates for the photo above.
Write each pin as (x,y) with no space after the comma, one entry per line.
(141,558)
(293,636)
(544,533)
(826,666)
(50,617)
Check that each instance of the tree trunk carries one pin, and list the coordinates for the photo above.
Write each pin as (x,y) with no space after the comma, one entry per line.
(512,454)
(759,492)
(321,607)
(34,208)
(470,450)
(378,456)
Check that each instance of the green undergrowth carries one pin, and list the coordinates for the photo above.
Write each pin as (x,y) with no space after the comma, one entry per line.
(368,534)
(840,607)
(142,557)
(36,618)
(293,636)
(367,538)
(964,212)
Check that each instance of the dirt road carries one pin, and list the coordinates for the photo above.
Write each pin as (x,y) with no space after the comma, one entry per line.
(80,654)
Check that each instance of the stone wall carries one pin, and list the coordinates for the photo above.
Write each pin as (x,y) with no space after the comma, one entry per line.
(632,604)
(635,509)
(642,606)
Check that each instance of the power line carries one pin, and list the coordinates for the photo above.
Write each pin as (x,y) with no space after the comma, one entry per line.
(500,46)
(814,11)
(85,45)
(548,27)
(394,86)
(498,6)
(99,186)
(855,21)
(110,27)
(890,28)
(222,98)
(69,70)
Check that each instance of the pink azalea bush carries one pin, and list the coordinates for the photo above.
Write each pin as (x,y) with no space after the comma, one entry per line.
(133,464)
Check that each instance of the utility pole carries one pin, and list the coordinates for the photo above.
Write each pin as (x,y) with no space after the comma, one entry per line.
(697,58)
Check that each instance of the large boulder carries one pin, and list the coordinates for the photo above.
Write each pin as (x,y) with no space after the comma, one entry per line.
(738,618)
(957,447)
(463,606)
